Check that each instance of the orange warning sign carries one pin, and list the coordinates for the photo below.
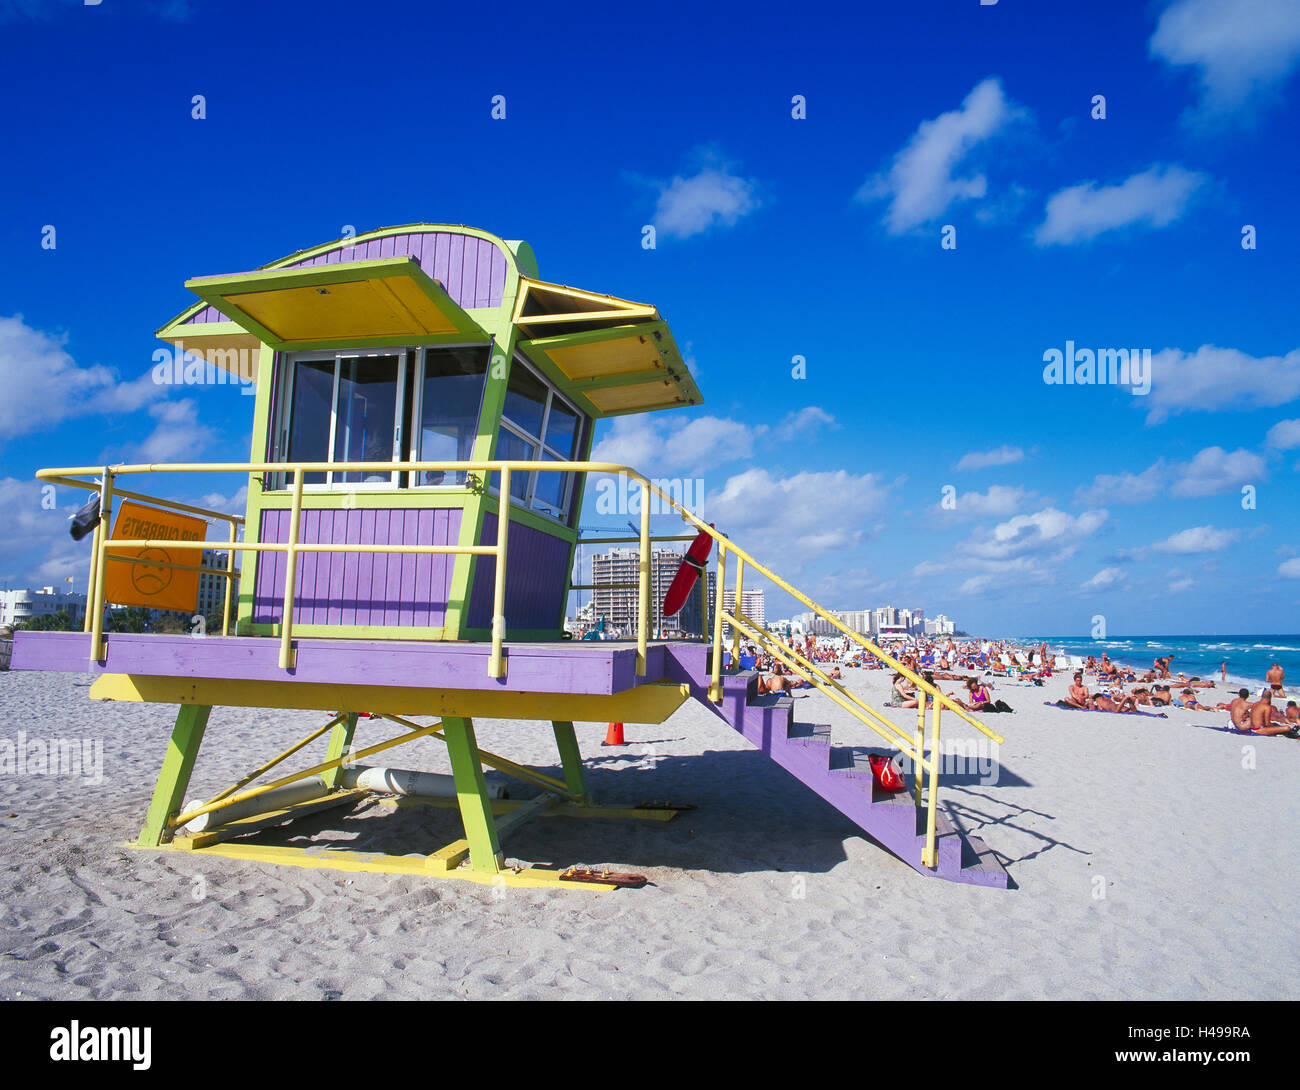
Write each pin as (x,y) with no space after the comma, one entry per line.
(155,583)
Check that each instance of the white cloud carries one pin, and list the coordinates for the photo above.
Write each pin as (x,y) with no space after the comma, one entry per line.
(1197,539)
(1284,435)
(983,459)
(29,522)
(1107,577)
(1290,568)
(1026,549)
(793,518)
(920,183)
(811,418)
(176,435)
(713,197)
(999,501)
(1044,530)
(1180,585)
(43,385)
(1124,487)
(1243,50)
(674,446)
(1154,198)
(1214,470)
(230,505)
(1213,379)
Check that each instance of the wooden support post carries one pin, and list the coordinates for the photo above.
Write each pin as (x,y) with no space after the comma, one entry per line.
(575,775)
(485,853)
(174,779)
(340,740)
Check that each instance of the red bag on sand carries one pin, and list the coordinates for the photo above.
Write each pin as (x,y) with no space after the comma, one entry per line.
(886,772)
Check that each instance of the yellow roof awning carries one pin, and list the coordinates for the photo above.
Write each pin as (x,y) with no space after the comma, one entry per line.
(614,355)
(351,304)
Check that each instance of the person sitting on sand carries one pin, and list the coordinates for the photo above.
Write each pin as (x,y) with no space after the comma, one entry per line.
(914,701)
(1292,712)
(980,699)
(1263,716)
(835,674)
(1238,710)
(1078,696)
(904,688)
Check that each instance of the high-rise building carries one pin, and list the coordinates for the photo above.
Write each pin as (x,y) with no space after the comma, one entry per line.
(616,576)
(212,588)
(752,605)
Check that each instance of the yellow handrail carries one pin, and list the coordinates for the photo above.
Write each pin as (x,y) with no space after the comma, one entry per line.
(299,469)
(103,547)
(837,693)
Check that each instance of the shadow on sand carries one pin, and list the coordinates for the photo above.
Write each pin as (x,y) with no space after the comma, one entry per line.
(751,816)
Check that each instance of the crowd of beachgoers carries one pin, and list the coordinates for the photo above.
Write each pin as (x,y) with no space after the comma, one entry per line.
(982,665)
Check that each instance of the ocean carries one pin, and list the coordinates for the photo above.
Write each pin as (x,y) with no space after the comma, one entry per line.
(1248,657)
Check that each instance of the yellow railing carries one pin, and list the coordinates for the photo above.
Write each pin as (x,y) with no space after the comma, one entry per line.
(104,547)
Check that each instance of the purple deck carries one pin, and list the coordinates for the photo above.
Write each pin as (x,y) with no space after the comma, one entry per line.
(565,666)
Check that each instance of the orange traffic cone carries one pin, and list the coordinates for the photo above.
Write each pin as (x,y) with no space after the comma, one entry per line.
(614,735)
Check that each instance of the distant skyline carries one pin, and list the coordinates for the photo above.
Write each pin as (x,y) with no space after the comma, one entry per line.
(875,231)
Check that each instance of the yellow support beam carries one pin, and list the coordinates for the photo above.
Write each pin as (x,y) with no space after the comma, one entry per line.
(651,703)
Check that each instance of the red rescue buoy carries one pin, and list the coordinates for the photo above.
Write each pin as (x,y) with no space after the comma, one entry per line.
(695,561)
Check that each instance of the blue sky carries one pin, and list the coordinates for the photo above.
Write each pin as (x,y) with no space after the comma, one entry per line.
(777,237)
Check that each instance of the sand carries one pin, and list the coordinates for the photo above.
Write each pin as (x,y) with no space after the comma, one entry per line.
(1150,860)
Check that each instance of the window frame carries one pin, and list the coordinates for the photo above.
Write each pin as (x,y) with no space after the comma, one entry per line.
(529,502)
(410,374)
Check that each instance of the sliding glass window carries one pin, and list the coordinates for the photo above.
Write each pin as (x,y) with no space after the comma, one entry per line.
(361,406)
(539,424)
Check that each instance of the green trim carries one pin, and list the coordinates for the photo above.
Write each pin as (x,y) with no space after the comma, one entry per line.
(612,333)
(353,631)
(519,635)
(340,740)
(174,778)
(449,499)
(176,330)
(485,854)
(262,413)
(575,775)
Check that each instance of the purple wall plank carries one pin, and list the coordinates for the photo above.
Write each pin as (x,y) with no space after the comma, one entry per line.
(470,269)
(535,579)
(360,588)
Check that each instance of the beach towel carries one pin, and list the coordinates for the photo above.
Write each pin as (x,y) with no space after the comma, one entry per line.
(1071,708)
(1238,730)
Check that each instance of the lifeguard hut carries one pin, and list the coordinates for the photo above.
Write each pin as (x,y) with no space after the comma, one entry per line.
(410,384)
